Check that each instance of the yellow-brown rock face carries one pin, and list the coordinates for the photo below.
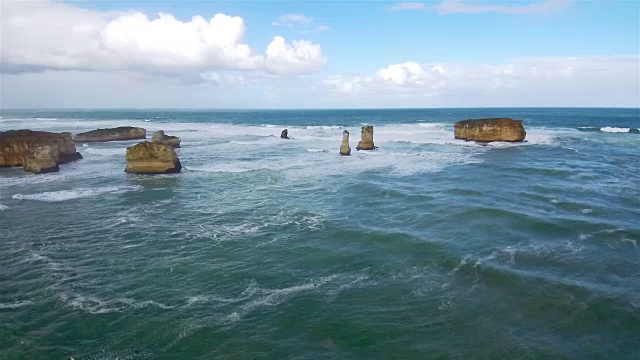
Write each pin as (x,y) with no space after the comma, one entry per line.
(160,137)
(366,139)
(488,130)
(152,158)
(36,151)
(344,147)
(42,160)
(115,134)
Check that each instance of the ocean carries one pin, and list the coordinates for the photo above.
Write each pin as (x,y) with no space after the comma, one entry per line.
(264,248)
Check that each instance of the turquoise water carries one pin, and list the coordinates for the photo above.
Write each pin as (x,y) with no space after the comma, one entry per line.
(428,247)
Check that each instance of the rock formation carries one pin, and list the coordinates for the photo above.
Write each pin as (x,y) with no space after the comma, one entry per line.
(366,139)
(160,137)
(152,158)
(119,133)
(36,151)
(284,134)
(488,130)
(40,160)
(344,148)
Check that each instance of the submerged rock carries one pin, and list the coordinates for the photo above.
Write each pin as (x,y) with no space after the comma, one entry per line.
(36,151)
(344,147)
(284,134)
(160,137)
(114,134)
(488,130)
(366,139)
(152,158)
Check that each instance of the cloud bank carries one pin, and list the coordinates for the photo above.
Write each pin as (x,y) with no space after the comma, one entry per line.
(529,80)
(38,36)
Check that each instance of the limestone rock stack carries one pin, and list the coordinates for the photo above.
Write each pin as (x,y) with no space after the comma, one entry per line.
(488,130)
(344,148)
(36,151)
(284,134)
(41,159)
(366,139)
(160,137)
(152,158)
(114,134)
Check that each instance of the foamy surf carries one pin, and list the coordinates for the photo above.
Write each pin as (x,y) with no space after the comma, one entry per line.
(65,195)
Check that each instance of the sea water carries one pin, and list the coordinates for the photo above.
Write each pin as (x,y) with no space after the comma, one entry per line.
(428,247)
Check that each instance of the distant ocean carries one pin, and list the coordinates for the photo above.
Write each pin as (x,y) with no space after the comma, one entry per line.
(264,248)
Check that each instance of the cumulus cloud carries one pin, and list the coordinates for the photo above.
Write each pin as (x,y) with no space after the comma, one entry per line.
(540,78)
(469,7)
(55,36)
(299,58)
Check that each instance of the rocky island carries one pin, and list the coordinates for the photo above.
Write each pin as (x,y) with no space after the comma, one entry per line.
(366,139)
(114,134)
(152,158)
(489,130)
(36,151)
(161,138)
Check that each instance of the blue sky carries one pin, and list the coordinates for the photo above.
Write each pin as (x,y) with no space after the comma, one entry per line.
(355,54)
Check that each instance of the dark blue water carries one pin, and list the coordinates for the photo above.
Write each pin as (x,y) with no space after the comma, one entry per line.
(429,247)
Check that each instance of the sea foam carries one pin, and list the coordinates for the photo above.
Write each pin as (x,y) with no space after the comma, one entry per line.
(64,195)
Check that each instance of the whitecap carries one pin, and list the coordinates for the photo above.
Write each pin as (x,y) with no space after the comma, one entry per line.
(64,195)
(612,129)
(586,211)
(106,151)
(4,207)
(15,305)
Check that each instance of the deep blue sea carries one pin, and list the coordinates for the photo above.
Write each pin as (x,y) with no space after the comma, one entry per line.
(264,248)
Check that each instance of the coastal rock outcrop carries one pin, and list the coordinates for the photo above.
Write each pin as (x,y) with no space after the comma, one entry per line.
(345,150)
(152,158)
(366,139)
(36,151)
(114,134)
(284,134)
(41,160)
(488,130)
(160,137)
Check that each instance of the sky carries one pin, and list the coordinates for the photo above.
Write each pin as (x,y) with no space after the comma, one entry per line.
(319,54)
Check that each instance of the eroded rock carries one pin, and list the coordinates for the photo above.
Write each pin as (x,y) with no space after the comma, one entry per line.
(366,139)
(489,130)
(284,134)
(160,137)
(114,134)
(36,151)
(152,158)
(344,147)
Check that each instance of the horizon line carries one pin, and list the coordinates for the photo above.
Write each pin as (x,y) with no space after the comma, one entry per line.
(321,109)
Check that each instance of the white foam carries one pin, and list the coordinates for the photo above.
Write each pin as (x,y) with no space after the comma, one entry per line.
(611,129)
(94,305)
(15,305)
(64,195)
(4,207)
(106,151)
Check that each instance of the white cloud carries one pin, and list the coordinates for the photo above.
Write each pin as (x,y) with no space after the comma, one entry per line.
(408,6)
(306,24)
(299,58)
(549,79)
(46,35)
(292,20)
(469,7)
